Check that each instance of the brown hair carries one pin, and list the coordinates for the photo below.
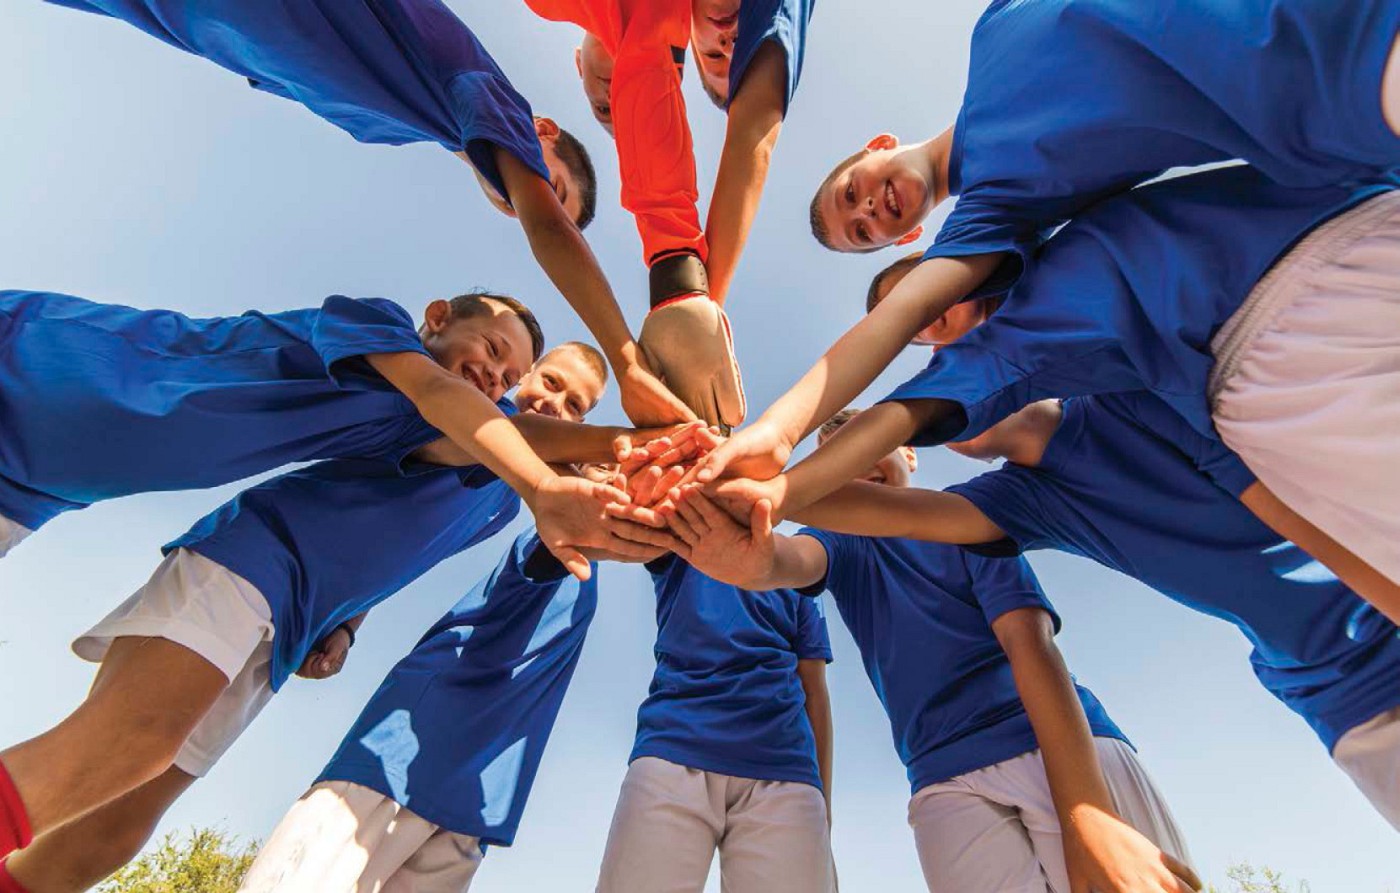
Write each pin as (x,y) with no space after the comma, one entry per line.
(580,164)
(591,356)
(476,303)
(814,212)
(835,423)
(899,268)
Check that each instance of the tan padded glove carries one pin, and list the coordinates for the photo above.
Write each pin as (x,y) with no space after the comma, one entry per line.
(687,344)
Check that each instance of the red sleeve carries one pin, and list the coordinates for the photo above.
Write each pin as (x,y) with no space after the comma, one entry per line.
(654,150)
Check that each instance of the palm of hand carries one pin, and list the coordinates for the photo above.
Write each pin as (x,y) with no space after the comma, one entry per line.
(1107,855)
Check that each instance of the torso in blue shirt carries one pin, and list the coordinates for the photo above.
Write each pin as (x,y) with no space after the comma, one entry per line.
(385,71)
(327,542)
(782,21)
(1121,484)
(1128,298)
(457,729)
(1070,101)
(99,401)
(921,614)
(726,696)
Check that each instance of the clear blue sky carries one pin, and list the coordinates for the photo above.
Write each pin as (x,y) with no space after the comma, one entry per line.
(134,173)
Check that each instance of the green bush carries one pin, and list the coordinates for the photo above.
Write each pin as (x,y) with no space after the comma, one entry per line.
(209,861)
(1245,878)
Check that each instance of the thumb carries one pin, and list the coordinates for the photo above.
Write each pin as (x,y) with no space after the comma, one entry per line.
(1181,870)
(761,521)
(573,561)
(714,464)
(622,446)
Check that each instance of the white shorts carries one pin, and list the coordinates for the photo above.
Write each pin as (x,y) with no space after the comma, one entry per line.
(1306,385)
(346,838)
(772,836)
(10,534)
(1370,754)
(997,829)
(218,615)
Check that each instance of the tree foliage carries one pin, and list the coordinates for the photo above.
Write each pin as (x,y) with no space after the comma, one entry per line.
(208,861)
(1246,878)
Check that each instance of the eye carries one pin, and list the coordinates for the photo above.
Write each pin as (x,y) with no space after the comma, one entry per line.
(551,382)
(576,408)
(850,192)
(491,348)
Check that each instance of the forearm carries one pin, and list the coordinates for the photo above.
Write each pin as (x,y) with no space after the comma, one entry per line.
(755,120)
(860,355)
(1367,582)
(1061,729)
(557,440)
(483,431)
(818,706)
(861,508)
(857,447)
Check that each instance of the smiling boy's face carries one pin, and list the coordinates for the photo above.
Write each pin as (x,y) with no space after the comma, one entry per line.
(714,24)
(491,350)
(562,385)
(595,69)
(877,199)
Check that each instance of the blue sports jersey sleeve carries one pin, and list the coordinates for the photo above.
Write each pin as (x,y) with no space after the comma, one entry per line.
(974,227)
(1003,585)
(1010,497)
(1210,455)
(349,328)
(813,641)
(844,559)
(494,114)
(782,21)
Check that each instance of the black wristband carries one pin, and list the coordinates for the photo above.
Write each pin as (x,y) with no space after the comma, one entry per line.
(675,275)
(349,631)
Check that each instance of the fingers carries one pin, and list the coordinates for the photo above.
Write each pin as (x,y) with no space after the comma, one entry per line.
(640,533)
(638,513)
(711,514)
(712,466)
(761,521)
(573,561)
(1188,879)
(687,511)
(628,548)
(608,494)
(644,485)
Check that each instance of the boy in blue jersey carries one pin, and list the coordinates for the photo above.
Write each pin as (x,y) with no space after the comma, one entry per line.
(99,401)
(441,761)
(1019,779)
(406,71)
(1071,101)
(733,747)
(283,571)
(1122,480)
(1169,288)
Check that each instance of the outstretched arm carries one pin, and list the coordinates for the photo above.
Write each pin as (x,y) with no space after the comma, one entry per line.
(865,509)
(852,363)
(565,257)
(1102,852)
(560,441)
(755,118)
(1367,582)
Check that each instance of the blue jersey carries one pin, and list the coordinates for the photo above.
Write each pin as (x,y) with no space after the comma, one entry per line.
(922,614)
(457,729)
(782,21)
(726,696)
(1071,101)
(385,71)
(329,541)
(1127,298)
(1121,483)
(99,401)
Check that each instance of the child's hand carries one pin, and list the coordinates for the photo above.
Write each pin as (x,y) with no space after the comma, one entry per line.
(738,497)
(647,401)
(674,445)
(1104,854)
(569,515)
(718,546)
(759,451)
(328,657)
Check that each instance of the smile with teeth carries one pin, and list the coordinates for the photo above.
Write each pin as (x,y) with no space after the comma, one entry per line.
(891,200)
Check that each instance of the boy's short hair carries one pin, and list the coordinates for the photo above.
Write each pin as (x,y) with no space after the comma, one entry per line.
(592,357)
(900,268)
(477,303)
(814,212)
(580,164)
(835,423)
(719,101)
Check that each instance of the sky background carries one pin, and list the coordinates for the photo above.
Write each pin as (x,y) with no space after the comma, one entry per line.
(136,174)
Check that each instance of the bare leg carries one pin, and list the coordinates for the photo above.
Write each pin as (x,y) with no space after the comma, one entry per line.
(80,854)
(149,695)
(1364,580)
(1390,88)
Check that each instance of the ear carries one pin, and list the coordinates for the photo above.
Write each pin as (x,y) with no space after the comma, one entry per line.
(910,456)
(883,141)
(546,129)
(578,60)
(438,315)
(915,233)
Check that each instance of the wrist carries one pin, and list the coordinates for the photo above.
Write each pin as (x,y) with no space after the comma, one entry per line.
(349,630)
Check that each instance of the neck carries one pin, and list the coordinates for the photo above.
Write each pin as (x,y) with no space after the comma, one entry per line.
(937,154)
